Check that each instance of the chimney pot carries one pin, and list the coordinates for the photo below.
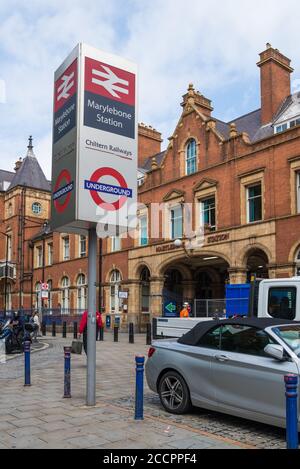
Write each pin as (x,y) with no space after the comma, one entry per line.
(18,164)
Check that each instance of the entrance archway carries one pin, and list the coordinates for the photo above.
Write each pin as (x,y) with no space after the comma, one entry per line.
(257,264)
(192,278)
(173,289)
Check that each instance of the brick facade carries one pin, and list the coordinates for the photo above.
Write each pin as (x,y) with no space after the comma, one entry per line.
(228,161)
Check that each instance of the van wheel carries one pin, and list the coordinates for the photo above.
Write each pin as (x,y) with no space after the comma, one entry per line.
(174,393)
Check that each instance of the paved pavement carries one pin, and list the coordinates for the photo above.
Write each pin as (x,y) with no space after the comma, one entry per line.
(38,417)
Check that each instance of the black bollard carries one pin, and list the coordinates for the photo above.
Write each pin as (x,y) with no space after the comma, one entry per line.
(44,329)
(148,335)
(54,329)
(27,363)
(116,334)
(131,333)
(101,334)
(154,328)
(67,375)
(139,388)
(75,330)
(64,331)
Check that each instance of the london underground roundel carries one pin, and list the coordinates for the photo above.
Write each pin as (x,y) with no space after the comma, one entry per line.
(62,191)
(97,187)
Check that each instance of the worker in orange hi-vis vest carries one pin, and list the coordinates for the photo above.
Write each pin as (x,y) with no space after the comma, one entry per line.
(184,313)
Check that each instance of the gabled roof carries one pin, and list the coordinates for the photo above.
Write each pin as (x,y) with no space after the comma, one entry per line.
(30,174)
(289,109)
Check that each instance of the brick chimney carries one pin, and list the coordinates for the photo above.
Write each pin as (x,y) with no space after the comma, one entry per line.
(275,79)
(197,99)
(149,143)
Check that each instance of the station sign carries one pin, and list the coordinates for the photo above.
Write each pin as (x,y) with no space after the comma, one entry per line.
(94,160)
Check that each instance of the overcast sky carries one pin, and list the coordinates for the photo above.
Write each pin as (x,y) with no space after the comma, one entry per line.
(214,45)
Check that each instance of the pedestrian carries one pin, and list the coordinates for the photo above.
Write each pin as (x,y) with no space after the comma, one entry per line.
(83,327)
(184,313)
(99,325)
(35,321)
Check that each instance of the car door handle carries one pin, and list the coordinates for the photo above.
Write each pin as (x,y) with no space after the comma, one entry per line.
(221,358)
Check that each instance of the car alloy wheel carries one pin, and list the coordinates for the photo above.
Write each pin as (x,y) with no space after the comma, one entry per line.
(174,393)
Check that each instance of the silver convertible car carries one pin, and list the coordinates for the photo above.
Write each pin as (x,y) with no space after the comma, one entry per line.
(233,366)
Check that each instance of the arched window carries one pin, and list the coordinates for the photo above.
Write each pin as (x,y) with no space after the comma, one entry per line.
(115,280)
(81,292)
(298,263)
(65,295)
(145,290)
(191,157)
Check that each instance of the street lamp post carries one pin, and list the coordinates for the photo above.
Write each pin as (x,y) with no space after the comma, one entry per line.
(178,243)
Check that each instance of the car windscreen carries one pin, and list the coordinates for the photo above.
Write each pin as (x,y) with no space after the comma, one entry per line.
(290,335)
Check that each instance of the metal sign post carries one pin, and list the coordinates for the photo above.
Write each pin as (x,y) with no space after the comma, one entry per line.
(94,160)
(91,326)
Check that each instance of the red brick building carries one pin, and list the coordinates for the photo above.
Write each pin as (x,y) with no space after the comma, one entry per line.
(241,181)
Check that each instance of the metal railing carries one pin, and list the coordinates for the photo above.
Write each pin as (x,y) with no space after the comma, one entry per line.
(209,308)
(221,308)
(48,315)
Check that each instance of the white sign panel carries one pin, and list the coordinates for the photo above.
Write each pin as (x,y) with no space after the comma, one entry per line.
(123,295)
(96,94)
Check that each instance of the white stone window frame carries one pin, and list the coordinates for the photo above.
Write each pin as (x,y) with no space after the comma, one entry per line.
(115,283)
(247,182)
(81,292)
(173,206)
(200,196)
(65,294)
(82,239)
(115,244)
(39,256)
(252,199)
(64,239)
(49,254)
(9,246)
(167,226)
(193,158)
(142,214)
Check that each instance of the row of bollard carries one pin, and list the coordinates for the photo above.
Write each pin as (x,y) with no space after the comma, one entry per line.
(101,333)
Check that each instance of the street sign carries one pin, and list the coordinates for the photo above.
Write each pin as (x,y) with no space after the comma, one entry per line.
(170,309)
(94,162)
(45,295)
(123,295)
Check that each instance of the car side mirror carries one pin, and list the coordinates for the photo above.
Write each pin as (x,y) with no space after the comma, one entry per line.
(275,351)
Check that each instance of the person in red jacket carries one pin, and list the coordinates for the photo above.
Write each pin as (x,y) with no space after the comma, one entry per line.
(83,327)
